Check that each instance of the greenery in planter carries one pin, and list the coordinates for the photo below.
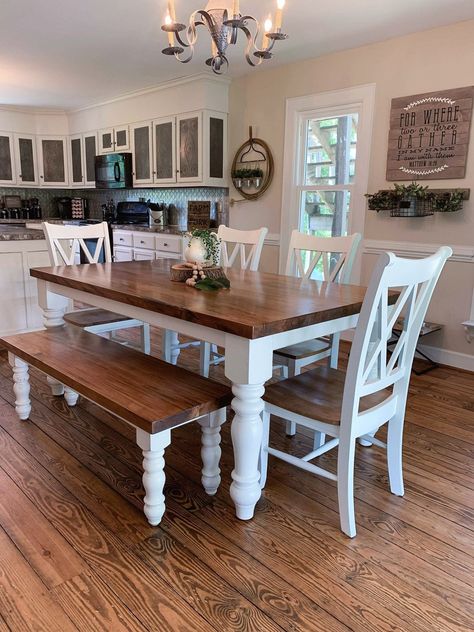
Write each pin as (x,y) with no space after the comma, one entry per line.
(211,243)
(244,174)
(449,202)
(413,190)
(382,200)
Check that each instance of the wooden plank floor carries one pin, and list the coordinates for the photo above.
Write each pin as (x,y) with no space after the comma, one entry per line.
(77,554)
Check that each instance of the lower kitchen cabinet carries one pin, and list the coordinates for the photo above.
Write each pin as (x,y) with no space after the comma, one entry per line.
(18,290)
(146,246)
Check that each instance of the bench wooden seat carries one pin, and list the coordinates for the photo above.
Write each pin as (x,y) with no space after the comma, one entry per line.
(151,395)
(93,318)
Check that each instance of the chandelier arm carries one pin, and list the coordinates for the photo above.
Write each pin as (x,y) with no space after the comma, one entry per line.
(250,44)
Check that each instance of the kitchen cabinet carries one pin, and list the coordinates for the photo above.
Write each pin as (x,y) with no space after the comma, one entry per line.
(189,141)
(7,162)
(215,148)
(82,159)
(26,163)
(52,161)
(146,246)
(114,139)
(164,146)
(18,291)
(142,153)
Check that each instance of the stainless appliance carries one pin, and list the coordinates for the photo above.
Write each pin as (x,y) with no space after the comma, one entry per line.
(113,171)
(72,208)
(132,213)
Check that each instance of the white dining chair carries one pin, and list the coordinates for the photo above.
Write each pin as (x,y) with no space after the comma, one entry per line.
(335,257)
(373,392)
(242,246)
(65,243)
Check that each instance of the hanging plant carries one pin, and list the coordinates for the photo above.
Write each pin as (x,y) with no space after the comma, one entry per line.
(449,202)
(382,200)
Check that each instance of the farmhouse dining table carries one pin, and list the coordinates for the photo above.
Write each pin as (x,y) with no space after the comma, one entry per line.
(260,313)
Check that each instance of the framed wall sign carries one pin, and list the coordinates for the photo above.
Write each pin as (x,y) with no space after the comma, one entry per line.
(429,135)
(199,215)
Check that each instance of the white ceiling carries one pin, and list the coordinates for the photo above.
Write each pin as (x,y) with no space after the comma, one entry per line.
(68,54)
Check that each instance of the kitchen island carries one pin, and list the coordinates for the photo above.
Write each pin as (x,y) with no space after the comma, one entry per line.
(21,248)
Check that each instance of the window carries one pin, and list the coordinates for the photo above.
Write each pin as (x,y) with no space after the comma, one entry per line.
(327,144)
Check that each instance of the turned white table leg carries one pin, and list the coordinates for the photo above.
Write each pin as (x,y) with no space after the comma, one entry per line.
(246,438)
(170,348)
(53,307)
(70,396)
(211,450)
(153,447)
(21,386)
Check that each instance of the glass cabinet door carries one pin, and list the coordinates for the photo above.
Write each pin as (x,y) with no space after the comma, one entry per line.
(106,141)
(189,148)
(142,154)
(90,151)
(7,172)
(27,168)
(121,138)
(215,148)
(77,176)
(52,161)
(164,145)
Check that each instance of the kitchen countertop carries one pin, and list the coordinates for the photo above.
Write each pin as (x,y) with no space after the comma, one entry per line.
(19,233)
(161,230)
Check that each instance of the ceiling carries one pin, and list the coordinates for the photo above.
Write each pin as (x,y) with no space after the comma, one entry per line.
(69,54)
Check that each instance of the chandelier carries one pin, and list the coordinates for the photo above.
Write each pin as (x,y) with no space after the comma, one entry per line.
(224,22)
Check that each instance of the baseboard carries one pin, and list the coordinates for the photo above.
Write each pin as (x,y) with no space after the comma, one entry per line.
(451,358)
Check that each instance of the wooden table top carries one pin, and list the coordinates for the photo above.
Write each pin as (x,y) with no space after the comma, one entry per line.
(258,304)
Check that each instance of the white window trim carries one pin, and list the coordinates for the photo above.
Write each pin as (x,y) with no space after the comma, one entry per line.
(363,99)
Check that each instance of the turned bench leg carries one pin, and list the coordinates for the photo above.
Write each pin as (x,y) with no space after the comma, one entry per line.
(211,450)
(153,447)
(21,386)
(57,389)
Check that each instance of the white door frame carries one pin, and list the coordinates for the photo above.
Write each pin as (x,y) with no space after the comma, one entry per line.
(360,99)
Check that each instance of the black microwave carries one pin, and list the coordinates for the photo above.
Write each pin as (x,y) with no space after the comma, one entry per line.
(114,171)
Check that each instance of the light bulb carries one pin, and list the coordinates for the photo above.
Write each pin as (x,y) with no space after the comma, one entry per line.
(268,24)
(168,22)
(280,4)
(168,19)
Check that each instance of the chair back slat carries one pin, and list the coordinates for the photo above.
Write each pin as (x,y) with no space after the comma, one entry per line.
(247,246)
(370,369)
(335,254)
(64,241)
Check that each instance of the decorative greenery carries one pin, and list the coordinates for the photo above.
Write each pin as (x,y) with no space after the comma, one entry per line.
(449,202)
(243,174)
(413,190)
(211,285)
(390,200)
(211,243)
(382,200)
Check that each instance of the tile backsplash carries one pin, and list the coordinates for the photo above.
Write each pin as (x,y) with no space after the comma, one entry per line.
(177,196)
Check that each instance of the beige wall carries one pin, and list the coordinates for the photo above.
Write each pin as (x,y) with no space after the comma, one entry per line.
(432,60)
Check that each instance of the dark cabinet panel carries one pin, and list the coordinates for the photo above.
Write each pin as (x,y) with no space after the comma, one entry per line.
(27,160)
(90,152)
(216,147)
(76,160)
(108,140)
(164,151)
(6,163)
(189,148)
(53,161)
(141,144)
(121,139)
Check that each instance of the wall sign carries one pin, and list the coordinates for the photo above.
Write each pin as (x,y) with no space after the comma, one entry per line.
(199,215)
(429,135)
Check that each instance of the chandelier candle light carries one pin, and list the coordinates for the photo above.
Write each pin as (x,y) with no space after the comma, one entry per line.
(224,22)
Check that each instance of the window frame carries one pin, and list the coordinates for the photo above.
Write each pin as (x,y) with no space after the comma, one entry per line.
(360,100)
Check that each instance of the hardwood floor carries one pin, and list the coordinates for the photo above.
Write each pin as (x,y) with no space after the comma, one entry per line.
(77,554)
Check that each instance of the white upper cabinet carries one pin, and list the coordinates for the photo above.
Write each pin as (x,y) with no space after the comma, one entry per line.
(7,160)
(52,160)
(215,149)
(26,162)
(82,152)
(114,139)
(142,153)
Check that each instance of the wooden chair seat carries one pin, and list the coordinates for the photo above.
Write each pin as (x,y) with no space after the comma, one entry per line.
(149,394)
(317,394)
(93,318)
(305,349)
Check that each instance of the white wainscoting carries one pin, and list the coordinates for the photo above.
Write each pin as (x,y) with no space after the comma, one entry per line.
(461,254)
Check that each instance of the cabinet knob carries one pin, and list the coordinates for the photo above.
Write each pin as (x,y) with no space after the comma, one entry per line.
(42,177)
(165,245)
(141,241)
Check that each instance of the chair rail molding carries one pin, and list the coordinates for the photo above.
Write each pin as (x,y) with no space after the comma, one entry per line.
(417,250)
